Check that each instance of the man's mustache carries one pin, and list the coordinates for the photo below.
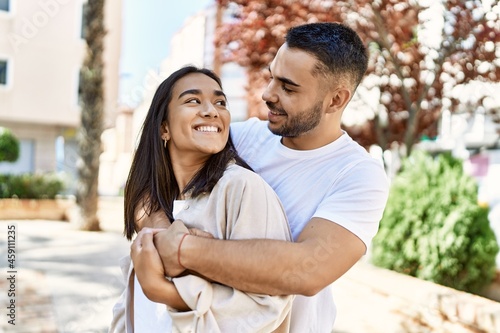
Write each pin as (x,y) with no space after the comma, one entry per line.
(274,108)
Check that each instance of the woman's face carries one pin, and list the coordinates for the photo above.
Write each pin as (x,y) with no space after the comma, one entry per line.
(198,120)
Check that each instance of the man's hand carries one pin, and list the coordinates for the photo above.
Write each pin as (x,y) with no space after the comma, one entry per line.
(167,243)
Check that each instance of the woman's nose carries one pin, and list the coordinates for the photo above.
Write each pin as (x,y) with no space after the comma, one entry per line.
(209,110)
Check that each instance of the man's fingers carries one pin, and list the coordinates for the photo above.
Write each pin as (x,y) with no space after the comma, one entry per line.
(178,226)
(200,233)
(154,231)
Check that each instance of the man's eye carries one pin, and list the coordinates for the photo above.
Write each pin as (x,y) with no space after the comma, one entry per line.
(285,89)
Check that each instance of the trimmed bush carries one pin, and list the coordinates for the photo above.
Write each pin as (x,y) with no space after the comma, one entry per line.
(30,186)
(433,227)
(9,146)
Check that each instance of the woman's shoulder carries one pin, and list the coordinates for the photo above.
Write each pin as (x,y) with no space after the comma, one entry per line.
(236,176)
(237,172)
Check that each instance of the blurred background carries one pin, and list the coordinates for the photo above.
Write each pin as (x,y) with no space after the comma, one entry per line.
(432,81)
(77,78)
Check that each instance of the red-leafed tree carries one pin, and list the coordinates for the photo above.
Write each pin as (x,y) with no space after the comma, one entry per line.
(417,54)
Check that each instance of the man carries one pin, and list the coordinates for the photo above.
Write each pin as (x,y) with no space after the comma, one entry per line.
(333,192)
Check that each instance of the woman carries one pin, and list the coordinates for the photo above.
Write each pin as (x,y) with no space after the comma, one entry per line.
(186,168)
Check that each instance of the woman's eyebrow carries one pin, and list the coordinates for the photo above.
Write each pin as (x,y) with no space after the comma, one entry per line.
(219,93)
(190,92)
(198,92)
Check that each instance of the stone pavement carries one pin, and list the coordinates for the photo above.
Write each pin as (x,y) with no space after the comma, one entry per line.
(68,280)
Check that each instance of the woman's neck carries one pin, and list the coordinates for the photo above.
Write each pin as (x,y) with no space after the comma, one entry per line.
(184,173)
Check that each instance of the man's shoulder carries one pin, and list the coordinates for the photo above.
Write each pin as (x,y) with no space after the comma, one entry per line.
(250,136)
(250,125)
(356,153)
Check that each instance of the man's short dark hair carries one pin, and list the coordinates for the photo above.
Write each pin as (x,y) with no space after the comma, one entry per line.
(338,48)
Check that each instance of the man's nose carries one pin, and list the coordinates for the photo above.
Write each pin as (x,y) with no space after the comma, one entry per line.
(269,94)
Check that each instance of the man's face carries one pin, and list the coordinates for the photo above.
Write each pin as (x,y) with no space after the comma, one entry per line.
(294,96)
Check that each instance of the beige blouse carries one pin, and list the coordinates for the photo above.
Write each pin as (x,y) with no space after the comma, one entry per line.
(241,206)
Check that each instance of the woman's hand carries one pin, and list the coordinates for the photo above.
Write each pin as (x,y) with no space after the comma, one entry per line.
(149,271)
(147,262)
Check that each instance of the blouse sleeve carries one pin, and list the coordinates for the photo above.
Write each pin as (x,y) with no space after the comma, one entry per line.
(253,211)
(119,320)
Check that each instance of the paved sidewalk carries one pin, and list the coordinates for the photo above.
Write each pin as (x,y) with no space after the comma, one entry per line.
(362,310)
(68,280)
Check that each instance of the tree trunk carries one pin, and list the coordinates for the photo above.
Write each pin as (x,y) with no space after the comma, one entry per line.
(92,102)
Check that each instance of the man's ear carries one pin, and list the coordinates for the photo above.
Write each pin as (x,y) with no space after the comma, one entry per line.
(338,99)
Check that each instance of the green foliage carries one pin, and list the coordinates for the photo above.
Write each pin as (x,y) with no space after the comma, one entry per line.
(30,186)
(9,146)
(434,229)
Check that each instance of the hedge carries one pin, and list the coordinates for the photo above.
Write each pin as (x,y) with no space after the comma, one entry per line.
(433,227)
(30,186)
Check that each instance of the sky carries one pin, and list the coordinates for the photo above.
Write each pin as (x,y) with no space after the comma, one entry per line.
(148,27)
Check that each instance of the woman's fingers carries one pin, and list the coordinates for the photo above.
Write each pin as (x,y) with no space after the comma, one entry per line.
(144,239)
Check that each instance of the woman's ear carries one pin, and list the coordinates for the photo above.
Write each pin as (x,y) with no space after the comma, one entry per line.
(165,134)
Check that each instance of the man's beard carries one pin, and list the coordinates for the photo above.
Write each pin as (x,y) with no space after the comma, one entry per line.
(298,124)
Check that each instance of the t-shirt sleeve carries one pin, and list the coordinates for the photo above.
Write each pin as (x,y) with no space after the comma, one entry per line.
(356,201)
(252,210)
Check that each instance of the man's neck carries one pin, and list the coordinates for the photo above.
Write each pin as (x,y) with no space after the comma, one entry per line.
(310,141)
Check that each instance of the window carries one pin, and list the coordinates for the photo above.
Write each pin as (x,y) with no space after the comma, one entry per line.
(5,5)
(84,19)
(3,72)
(79,92)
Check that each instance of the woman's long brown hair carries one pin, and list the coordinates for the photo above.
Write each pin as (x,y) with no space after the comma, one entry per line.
(151,183)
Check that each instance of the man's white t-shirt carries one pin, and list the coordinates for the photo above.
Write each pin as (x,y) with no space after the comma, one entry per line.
(339,182)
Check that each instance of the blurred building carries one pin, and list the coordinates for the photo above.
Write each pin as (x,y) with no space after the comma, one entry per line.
(194,44)
(41,52)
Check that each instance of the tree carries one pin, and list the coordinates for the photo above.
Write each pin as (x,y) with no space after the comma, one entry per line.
(413,73)
(9,146)
(417,59)
(92,101)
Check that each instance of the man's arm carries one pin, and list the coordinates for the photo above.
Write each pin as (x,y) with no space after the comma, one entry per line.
(323,252)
